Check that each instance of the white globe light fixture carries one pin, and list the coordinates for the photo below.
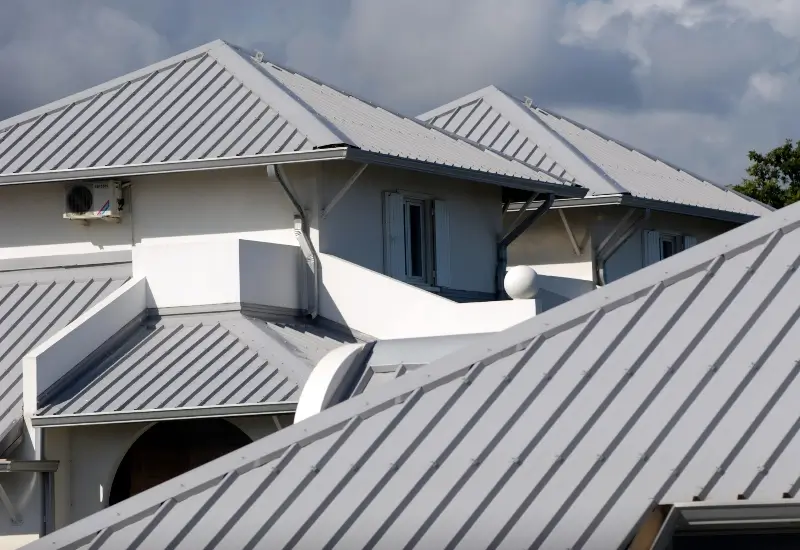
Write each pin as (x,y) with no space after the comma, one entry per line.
(520,283)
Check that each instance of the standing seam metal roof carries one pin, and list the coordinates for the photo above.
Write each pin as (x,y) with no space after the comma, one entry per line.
(676,383)
(571,151)
(33,307)
(195,361)
(217,102)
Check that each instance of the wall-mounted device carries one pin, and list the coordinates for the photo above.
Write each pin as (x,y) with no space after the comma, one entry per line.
(96,200)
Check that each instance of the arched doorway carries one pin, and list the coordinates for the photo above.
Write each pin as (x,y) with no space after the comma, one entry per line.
(171,448)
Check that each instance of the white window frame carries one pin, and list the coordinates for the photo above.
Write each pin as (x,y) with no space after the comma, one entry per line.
(679,243)
(435,240)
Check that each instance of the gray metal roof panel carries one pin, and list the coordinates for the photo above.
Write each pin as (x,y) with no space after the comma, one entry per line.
(216,102)
(205,360)
(390,359)
(676,383)
(35,306)
(376,129)
(571,151)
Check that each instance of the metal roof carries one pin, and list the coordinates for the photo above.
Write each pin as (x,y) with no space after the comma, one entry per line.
(210,363)
(677,383)
(217,103)
(574,152)
(34,305)
(390,359)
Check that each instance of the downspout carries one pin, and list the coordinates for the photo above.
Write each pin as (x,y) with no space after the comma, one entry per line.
(301,234)
(513,234)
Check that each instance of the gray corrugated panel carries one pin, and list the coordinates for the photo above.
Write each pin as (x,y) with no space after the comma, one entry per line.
(571,151)
(198,361)
(35,306)
(677,383)
(217,102)
(189,107)
(375,129)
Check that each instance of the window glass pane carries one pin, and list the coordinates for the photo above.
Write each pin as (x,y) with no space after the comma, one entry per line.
(667,248)
(415,231)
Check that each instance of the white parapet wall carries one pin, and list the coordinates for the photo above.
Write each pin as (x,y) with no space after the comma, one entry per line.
(213,272)
(53,358)
(386,308)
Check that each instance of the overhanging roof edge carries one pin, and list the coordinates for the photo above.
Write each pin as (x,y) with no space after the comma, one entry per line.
(562,190)
(333,153)
(150,415)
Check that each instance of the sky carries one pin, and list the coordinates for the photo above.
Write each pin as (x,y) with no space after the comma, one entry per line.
(697,82)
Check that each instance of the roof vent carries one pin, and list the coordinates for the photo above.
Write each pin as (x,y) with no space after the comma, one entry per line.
(259,57)
(528,102)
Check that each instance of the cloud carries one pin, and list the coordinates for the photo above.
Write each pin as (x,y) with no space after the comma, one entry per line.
(699,82)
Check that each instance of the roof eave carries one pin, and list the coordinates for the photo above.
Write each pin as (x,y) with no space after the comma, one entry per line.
(313,155)
(560,190)
(153,415)
(660,206)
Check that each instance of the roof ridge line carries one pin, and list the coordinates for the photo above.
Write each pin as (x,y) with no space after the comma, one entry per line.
(106,86)
(633,149)
(504,156)
(310,123)
(617,186)
(454,137)
(456,103)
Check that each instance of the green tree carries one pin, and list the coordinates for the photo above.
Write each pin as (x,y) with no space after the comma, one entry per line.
(774,177)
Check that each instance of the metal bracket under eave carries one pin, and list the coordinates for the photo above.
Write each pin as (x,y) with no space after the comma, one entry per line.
(343,191)
(570,234)
(616,238)
(13,512)
(46,467)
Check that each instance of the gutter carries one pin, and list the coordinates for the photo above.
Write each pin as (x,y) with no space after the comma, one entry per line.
(343,152)
(520,226)
(636,202)
(524,184)
(153,415)
(301,234)
(172,167)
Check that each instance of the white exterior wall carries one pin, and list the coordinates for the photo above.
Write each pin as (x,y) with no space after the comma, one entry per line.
(354,228)
(244,204)
(547,248)
(630,256)
(184,207)
(90,455)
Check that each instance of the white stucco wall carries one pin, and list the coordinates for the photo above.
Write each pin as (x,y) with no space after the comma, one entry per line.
(630,256)
(243,203)
(185,207)
(354,228)
(547,248)
(90,455)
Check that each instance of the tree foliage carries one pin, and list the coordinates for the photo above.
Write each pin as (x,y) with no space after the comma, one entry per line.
(774,177)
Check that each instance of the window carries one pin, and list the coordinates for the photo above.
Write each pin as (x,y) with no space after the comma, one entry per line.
(417,243)
(660,246)
(417,239)
(669,246)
